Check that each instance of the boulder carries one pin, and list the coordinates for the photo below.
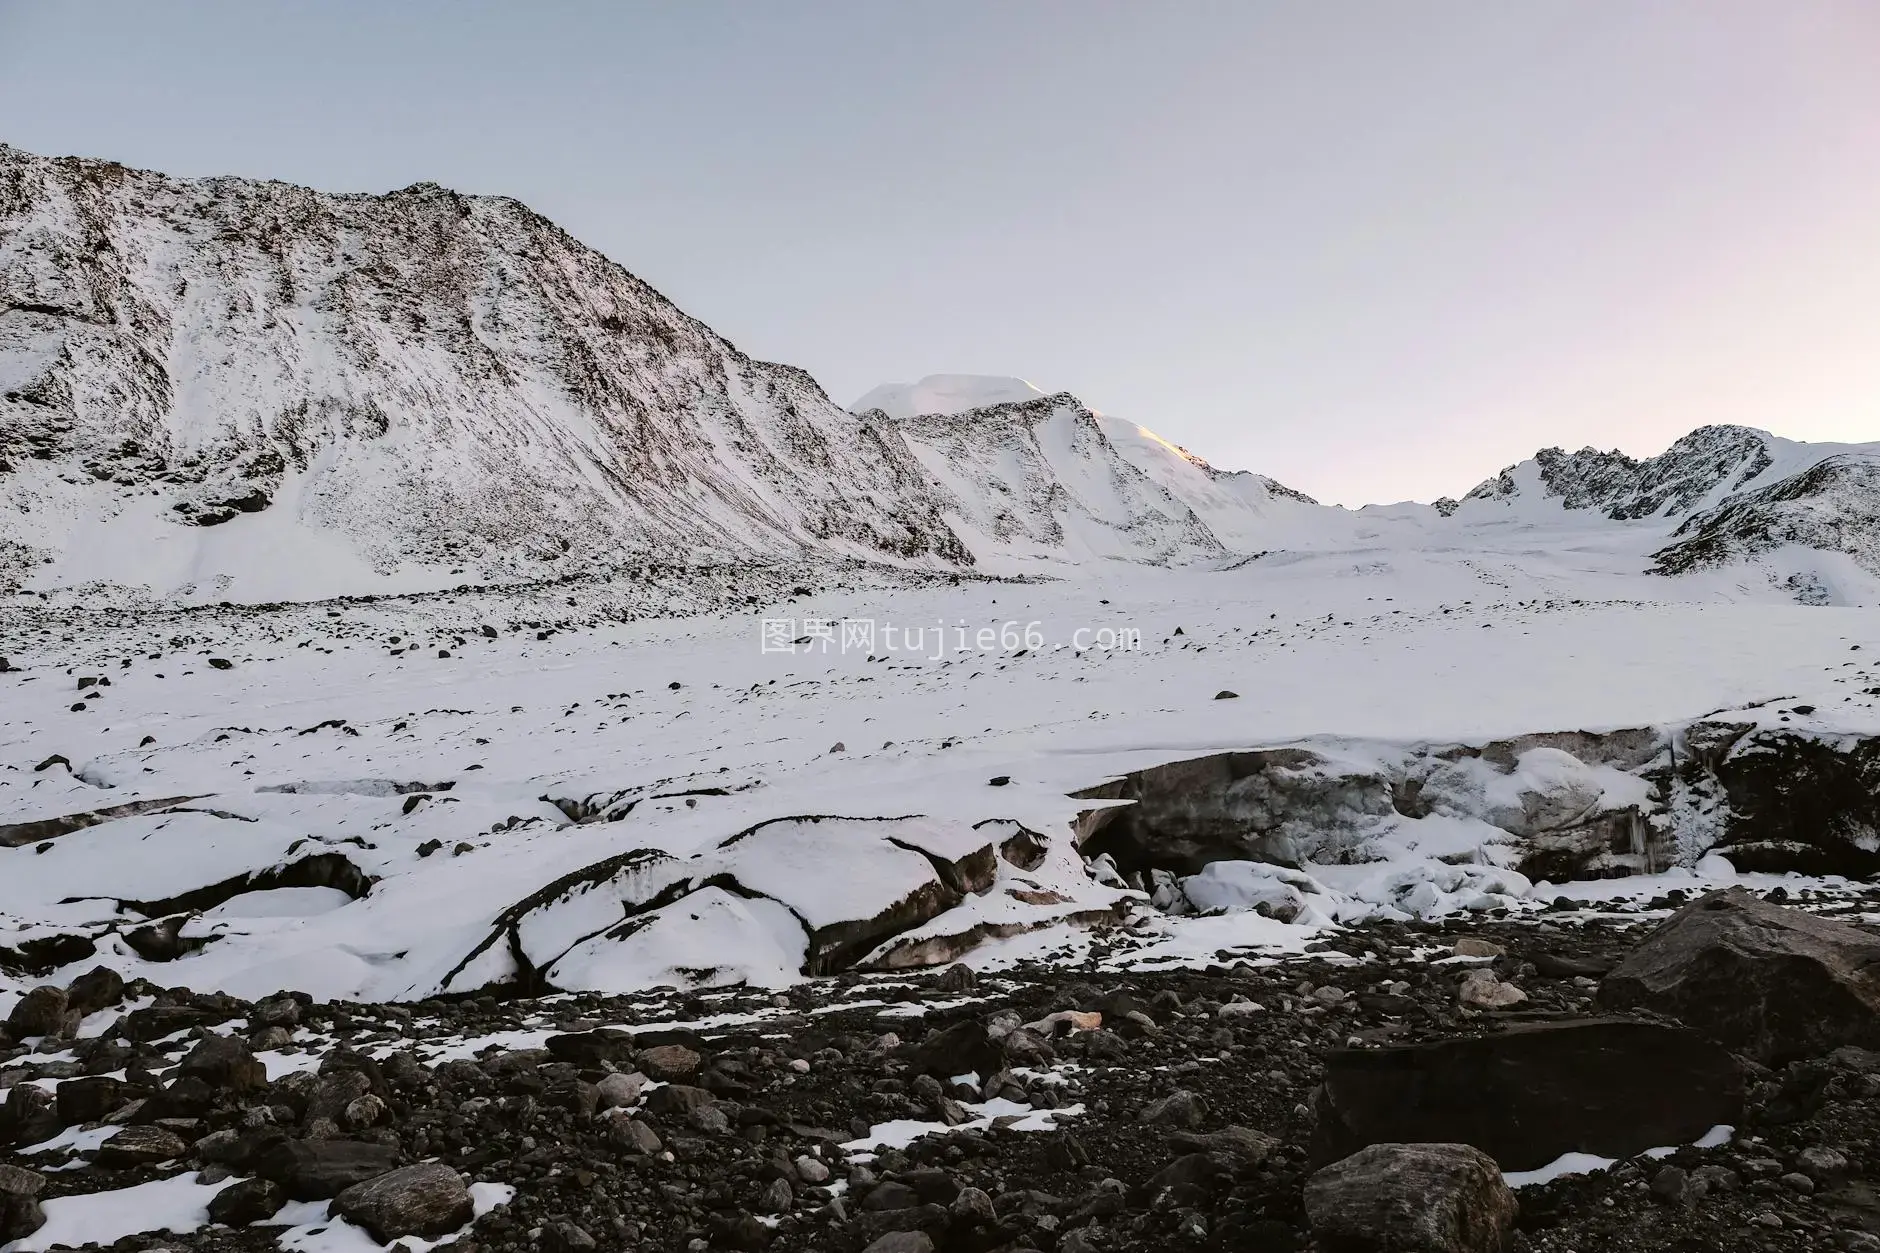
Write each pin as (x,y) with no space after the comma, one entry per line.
(632,1135)
(28,1116)
(96,989)
(90,1098)
(318,1170)
(589,1049)
(1411,1198)
(1178,1109)
(426,1200)
(669,1062)
(246,1202)
(1773,983)
(140,1146)
(1481,990)
(40,1012)
(20,1214)
(966,1047)
(620,1089)
(1241,1143)
(1530,1092)
(224,1062)
(956,978)
(675,1100)
(153,1022)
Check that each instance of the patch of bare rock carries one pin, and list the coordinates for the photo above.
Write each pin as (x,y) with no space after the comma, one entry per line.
(1358,1100)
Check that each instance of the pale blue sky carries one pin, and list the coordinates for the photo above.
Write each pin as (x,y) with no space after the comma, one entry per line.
(1377,250)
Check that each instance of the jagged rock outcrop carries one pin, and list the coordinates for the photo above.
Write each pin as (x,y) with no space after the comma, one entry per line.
(1697,468)
(1833,506)
(1735,492)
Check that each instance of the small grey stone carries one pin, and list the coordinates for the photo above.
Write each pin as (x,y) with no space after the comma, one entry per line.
(621,1089)
(777,1197)
(1821,1164)
(1177,1109)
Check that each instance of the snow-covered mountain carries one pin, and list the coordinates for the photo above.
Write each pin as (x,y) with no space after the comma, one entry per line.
(1719,495)
(1240,512)
(225,389)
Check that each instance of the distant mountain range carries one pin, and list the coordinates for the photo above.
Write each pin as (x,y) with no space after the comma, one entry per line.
(232,389)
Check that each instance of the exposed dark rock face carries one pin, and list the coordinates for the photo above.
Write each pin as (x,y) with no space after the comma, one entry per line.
(319,870)
(1766,797)
(1798,802)
(1708,460)
(1769,982)
(20,834)
(1833,505)
(935,867)
(1530,1093)
(1411,1198)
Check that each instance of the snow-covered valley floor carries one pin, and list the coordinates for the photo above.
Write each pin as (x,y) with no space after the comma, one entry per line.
(311,729)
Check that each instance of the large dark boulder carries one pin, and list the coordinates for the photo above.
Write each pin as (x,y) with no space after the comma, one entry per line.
(247,1202)
(589,1049)
(1411,1198)
(318,1170)
(966,1047)
(27,1116)
(99,988)
(90,1098)
(226,1063)
(153,1022)
(425,1200)
(1531,1092)
(1764,980)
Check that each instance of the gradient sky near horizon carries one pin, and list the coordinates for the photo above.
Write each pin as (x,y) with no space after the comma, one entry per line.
(1376,250)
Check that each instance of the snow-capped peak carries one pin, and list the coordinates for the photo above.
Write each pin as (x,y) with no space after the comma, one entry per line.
(946,393)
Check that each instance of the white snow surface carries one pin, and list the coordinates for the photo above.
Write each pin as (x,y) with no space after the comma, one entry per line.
(293,752)
(178,1205)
